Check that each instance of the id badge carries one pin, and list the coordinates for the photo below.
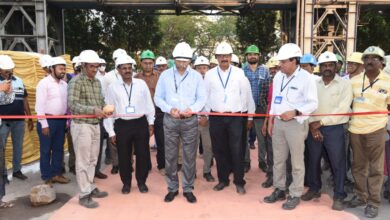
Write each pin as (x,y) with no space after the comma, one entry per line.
(130,109)
(278,99)
(360,99)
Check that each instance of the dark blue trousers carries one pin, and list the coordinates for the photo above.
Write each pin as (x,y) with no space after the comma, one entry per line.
(333,144)
(52,148)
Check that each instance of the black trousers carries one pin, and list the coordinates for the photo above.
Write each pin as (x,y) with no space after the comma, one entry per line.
(131,133)
(226,139)
(159,136)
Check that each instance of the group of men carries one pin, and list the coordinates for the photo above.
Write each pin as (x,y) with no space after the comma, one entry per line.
(190,103)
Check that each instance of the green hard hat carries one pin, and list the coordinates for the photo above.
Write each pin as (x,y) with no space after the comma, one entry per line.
(147,54)
(171,63)
(252,49)
(339,58)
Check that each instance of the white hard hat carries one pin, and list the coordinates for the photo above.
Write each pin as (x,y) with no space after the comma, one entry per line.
(75,59)
(102,61)
(124,59)
(6,62)
(201,60)
(45,61)
(288,51)
(182,51)
(57,61)
(118,52)
(235,58)
(223,48)
(161,61)
(89,56)
(327,56)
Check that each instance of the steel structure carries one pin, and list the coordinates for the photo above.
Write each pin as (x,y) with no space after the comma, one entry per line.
(24,23)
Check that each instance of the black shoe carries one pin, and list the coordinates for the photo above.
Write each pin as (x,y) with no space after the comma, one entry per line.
(309,195)
(115,169)
(87,202)
(100,175)
(220,186)
(72,170)
(240,189)
(338,204)
(252,146)
(371,211)
(143,188)
(170,196)
(96,193)
(291,203)
(19,175)
(355,202)
(126,189)
(277,195)
(263,166)
(247,167)
(208,177)
(268,182)
(190,197)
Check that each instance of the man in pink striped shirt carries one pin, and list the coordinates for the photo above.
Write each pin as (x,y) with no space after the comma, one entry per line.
(51,99)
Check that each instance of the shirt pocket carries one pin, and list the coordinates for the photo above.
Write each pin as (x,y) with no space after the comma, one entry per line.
(293,94)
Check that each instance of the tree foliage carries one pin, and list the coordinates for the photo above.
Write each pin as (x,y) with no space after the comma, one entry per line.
(258,28)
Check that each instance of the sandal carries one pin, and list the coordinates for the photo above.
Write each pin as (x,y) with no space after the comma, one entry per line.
(5,205)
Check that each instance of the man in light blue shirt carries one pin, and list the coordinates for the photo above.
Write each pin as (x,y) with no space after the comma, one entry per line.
(180,92)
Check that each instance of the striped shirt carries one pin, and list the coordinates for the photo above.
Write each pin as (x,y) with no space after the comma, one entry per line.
(374,98)
(84,95)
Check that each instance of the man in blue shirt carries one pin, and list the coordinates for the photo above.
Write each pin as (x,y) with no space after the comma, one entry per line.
(256,74)
(179,92)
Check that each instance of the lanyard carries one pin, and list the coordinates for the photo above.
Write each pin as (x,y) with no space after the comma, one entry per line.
(174,78)
(227,80)
(283,87)
(369,86)
(129,95)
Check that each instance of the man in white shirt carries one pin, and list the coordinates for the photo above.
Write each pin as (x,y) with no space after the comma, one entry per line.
(131,97)
(228,91)
(294,93)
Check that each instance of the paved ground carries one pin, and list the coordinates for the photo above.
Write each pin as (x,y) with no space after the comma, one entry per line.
(18,191)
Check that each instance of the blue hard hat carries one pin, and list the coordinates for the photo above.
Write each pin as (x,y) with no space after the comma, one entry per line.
(308,58)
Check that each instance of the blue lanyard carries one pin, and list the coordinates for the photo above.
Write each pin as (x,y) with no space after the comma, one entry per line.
(174,78)
(227,80)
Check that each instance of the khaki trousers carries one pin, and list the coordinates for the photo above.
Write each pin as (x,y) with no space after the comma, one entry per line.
(368,165)
(86,142)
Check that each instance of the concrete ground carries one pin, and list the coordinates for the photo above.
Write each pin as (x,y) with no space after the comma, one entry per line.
(18,191)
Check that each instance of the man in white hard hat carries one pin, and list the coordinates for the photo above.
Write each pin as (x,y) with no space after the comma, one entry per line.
(51,99)
(45,62)
(179,93)
(161,64)
(228,92)
(19,106)
(327,132)
(76,65)
(131,96)
(235,61)
(202,65)
(294,93)
(371,93)
(85,98)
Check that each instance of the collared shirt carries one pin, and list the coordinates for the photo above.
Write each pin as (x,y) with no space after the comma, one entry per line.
(255,79)
(296,92)
(118,95)
(236,97)
(336,97)
(84,95)
(180,91)
(109,78)
(375,98)
(6,97)
(151,81)
(51,98)
(16,107)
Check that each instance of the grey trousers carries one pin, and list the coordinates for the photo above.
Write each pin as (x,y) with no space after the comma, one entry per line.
(262,152)
(204,132)
(185,130)
(289,137)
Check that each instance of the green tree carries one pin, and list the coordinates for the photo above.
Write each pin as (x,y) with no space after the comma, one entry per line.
(258,28)
(374,30)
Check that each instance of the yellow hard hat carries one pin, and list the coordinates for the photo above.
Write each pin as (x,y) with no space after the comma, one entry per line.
(213,60)
(355,57)
(316,69)
(273,62)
